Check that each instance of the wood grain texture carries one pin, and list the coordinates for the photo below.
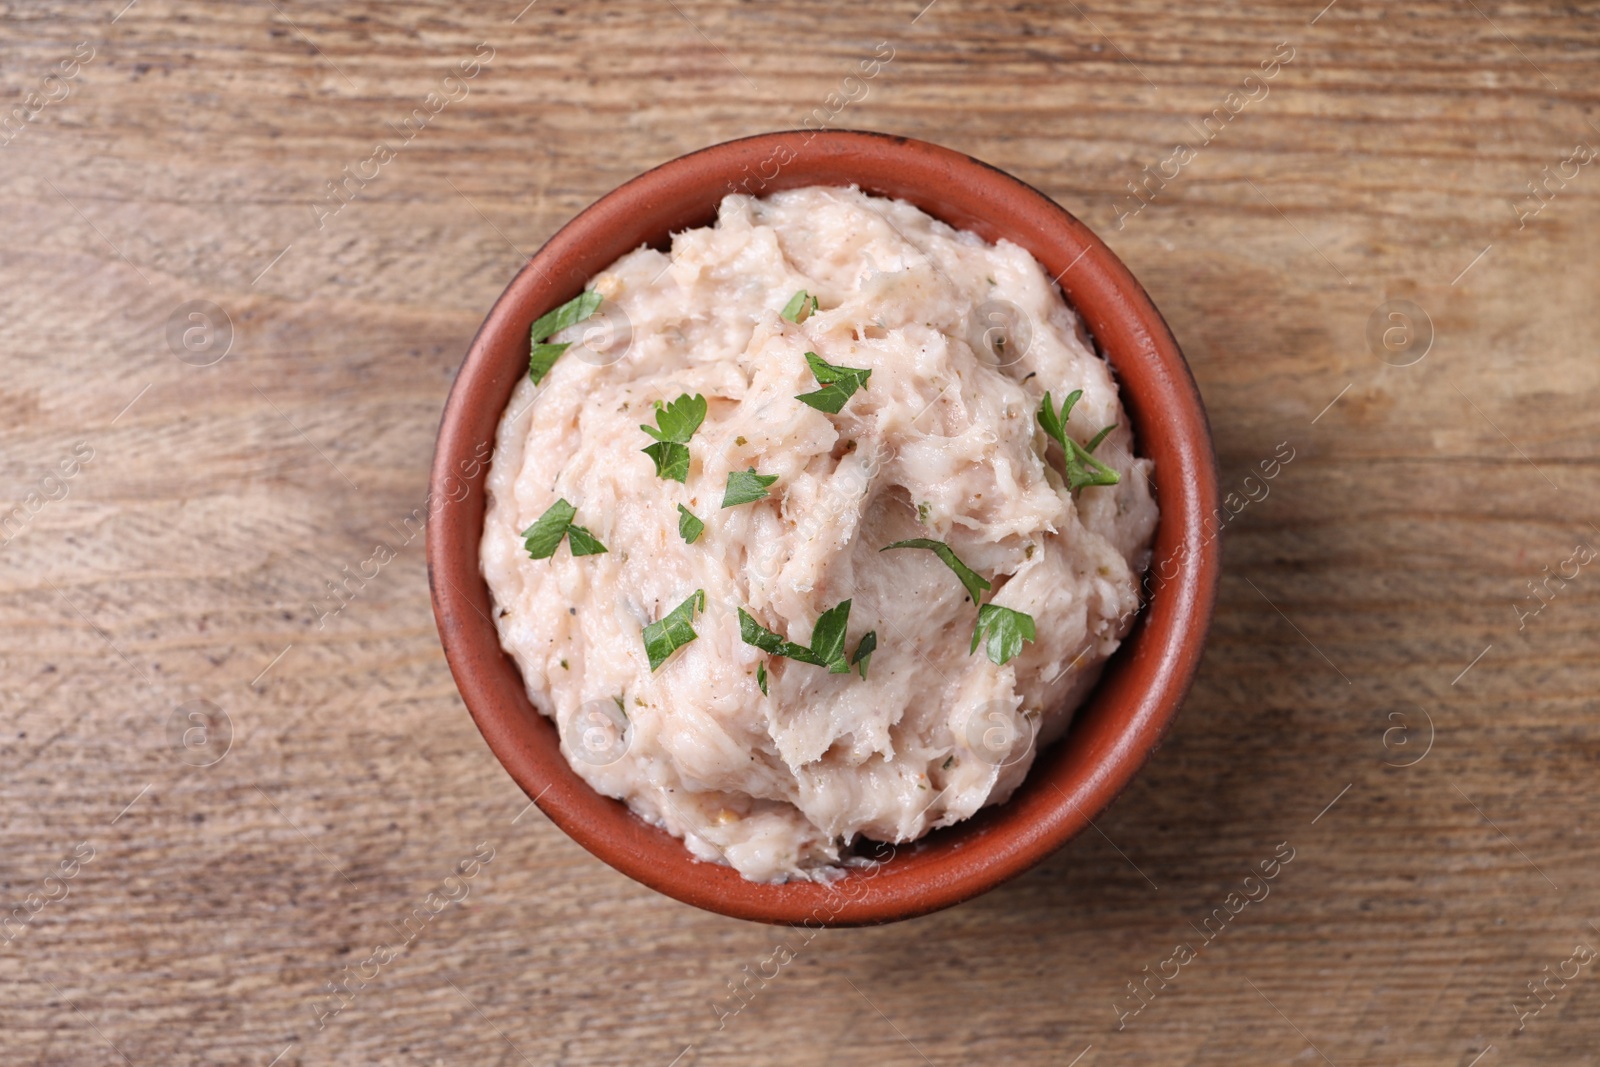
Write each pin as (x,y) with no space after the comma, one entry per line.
(188,559)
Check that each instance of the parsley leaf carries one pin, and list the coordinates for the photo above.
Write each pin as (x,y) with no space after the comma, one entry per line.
(1002,631)
(677,423)
(582,542)
(672,631)
(1094,442)
(761,676)
(827,639)
(839,384)
(800,307)
(746,486)
(571,313)
(1055,425)
(974,583)
(542,356)
(689,527)
(753,633)
(545,535)
(678,420)
(671,459)
(864,651)
(1082,469)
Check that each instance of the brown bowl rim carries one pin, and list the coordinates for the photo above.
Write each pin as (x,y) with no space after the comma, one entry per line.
(1121,722)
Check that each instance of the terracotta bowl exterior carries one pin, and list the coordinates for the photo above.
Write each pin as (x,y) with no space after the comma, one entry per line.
(1143,685)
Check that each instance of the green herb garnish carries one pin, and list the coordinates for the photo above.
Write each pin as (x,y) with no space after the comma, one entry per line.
(753,633)
(761,676)
(1002,631)
(689,527)
(827,639)
(584,543)
(672,631)
(863,654)
(800,307)
(675,425)
(974,583)
(839,384)
(745,487)
(545,535)
(542,356)
(1082,469)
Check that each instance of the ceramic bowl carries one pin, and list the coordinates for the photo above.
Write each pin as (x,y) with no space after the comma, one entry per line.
(1143,685)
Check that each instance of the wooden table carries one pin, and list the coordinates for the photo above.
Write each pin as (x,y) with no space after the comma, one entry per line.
(252,791)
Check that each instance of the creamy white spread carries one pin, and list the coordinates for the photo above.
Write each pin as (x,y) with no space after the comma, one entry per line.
(962,338)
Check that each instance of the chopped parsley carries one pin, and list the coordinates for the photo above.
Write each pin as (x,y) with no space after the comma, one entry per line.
(800,307)
(675,425)
(1082,469)
(827,640)
(1002,632)
(584,543)
(975,584)
(827,637)
(548,530)
(753,633)
(672,631)
(839,384)
(761,676)
(543,356)
(689,527)
(745,487)
(863,654)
